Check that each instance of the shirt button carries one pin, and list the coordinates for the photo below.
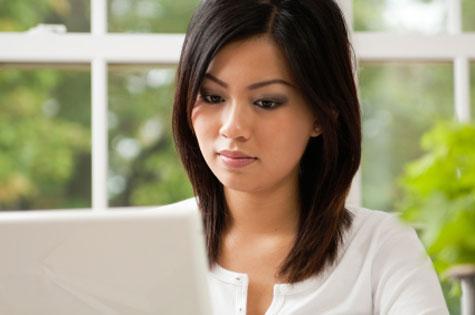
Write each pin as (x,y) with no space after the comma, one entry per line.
(238,279)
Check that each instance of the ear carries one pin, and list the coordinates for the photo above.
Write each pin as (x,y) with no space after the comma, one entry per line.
(316,130)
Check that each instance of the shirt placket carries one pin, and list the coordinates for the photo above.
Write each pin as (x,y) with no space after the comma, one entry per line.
(277,301)
(241,299)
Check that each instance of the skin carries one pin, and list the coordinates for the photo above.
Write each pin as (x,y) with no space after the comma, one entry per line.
(271,123)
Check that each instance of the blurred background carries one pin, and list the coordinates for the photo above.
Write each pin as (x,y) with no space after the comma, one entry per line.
(45,109)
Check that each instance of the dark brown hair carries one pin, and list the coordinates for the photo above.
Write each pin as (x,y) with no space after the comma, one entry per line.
(313,37)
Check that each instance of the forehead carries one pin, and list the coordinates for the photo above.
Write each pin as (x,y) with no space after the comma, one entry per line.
(250,59)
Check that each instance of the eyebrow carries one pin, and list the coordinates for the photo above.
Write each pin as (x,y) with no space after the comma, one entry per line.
(250,87)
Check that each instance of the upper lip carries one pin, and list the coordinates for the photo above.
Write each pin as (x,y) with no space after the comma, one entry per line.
(235,154)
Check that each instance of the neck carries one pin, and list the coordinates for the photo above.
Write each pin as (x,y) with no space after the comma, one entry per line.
(264,213)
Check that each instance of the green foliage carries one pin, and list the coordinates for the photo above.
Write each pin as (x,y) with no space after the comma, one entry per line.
(44,150)
(389,15)
(468,15)
(164,16)
(400,101)
(439,194)
(21,15)
(39,147)
(367,15)
(140,105)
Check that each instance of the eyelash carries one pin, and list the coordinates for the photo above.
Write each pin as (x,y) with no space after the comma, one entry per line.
(276,103)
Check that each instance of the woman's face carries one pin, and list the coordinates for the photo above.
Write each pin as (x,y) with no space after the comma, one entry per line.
(251,123)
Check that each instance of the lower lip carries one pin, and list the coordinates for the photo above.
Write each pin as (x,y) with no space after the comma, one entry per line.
(236,162)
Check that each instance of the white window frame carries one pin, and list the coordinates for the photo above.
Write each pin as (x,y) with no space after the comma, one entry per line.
(100,48)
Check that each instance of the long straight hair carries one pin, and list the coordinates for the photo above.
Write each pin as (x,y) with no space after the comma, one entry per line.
(313,37)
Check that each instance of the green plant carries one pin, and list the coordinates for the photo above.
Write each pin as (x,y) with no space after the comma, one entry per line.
(439,194)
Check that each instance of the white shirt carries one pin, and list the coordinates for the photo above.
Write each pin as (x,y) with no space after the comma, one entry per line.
(382,268)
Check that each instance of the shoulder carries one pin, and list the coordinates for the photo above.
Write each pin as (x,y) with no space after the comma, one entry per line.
(378,226)
(401,274)
(379,236)
(374,217)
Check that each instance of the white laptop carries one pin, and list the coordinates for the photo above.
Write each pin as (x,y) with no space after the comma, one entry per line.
(109,262)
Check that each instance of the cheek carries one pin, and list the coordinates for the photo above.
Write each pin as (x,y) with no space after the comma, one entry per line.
(203,127)
(290,147)
(287,140)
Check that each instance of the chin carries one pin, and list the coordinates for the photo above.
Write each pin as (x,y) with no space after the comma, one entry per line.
(240,183)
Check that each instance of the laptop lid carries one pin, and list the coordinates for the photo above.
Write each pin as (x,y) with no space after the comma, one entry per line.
(109,262)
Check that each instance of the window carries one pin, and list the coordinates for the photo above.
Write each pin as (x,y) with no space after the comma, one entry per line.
(468,15)
(401,16)
(143,165)
(92,93)
(148,33)
(45,136)
(410,75)
(400,101)
(22,15)
(150,16)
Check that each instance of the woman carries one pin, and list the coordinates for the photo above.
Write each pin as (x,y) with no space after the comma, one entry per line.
(266,121)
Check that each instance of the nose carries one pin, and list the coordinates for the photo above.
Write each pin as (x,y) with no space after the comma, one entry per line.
(236,121)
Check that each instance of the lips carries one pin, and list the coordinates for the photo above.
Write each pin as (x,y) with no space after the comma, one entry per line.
(235,159)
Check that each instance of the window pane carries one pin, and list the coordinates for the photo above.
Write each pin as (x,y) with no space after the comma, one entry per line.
(144,167)
(145,16)
(422,16)
(468,15)
(45,146)
(399,102)
(21,15)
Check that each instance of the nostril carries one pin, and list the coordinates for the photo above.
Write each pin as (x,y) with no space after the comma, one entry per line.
(233,132)
(235,121)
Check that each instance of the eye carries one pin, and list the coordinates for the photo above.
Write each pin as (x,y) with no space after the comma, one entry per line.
(211,99)
(268,104)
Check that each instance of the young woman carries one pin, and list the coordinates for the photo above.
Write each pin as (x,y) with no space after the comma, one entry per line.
(267,123)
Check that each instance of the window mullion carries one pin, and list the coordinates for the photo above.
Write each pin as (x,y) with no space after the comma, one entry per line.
(347,8)
(99,111)
(99,134)
(461,65)
(98,17)
(355,194)
(462,89)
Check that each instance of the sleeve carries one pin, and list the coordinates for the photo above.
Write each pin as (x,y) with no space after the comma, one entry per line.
(403,277)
